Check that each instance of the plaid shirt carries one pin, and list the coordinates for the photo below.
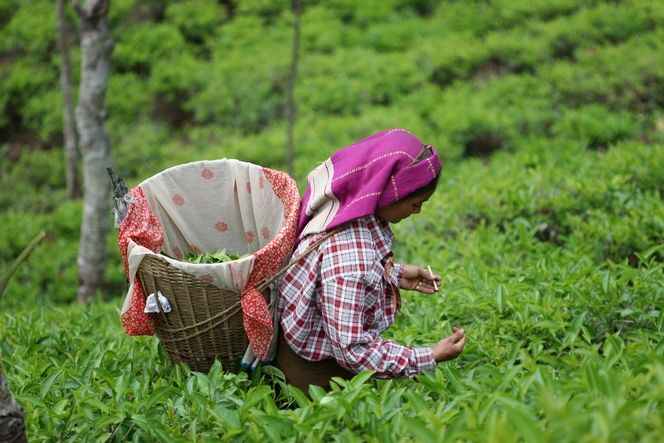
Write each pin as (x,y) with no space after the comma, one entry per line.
(337,301)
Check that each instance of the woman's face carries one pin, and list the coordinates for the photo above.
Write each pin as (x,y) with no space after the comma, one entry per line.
(403,209)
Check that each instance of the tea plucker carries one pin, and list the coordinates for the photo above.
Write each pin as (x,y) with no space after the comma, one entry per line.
(344,292)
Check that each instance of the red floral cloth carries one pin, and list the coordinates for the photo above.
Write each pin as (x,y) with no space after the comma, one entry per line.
(141,226)
(257,319)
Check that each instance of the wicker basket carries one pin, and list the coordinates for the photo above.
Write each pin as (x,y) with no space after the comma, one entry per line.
(206,205)
(205,323)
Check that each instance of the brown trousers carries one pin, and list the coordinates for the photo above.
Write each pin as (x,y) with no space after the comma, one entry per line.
(301,372)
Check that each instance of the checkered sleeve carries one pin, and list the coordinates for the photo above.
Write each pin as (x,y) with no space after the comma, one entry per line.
(350,297)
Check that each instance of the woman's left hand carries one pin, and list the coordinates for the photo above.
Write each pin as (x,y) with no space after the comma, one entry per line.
(419,279)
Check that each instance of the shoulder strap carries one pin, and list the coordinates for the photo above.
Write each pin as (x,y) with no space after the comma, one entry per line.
(265,283)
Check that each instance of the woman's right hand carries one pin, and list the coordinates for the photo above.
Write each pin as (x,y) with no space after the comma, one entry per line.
(450,347)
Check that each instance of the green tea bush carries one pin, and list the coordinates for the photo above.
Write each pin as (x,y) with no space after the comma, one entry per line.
(511,51)
(34,183)
(511,13)
(265,9)
(196,20)
(623,76)
(336,34)
(597,125)
(601,205)
(126,101)
(567,37)
(462,55)
(385,37)
(29,30)
(353,80)
(7,9)
(140,45)
(49,276)
(362,13)
(536,361)
(173,79)
(473,17)
(144,149)
(43,114)
(27,79)
(121,11)
(224,97)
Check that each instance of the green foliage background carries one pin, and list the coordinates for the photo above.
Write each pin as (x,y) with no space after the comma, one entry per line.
(548,225)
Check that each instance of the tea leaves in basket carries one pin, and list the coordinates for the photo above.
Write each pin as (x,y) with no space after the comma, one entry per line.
(219,256)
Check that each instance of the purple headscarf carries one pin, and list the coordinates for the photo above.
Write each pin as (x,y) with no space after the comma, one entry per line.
(367,175)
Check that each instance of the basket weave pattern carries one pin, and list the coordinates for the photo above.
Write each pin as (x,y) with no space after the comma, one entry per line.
(205,322)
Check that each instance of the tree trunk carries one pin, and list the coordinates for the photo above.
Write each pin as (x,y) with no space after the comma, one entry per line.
(69,129)
(12,417)
(290,100)
(96,48)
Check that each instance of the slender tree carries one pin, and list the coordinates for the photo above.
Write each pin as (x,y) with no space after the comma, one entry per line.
(290,86)
(96,48)
(69,129)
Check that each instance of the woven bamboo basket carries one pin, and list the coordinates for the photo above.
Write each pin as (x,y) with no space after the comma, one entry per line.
(199,206)
(205,323)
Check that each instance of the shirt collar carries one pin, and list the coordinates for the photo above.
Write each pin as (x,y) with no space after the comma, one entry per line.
(381,233)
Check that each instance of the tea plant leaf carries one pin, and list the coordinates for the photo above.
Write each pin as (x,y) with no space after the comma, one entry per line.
(46,386)
(316,392)
(645,257)
(220,254)
(417,402)
(31,400)
(119,387)
(299,397)
(431,383)
(524,422)
(361,378)
(575,329)
(60,406)
(158,395)
(109,420)
(507,378)
(97,404)
(104,437)
(453,376)
(421,431)
(606,282)
(391,401)
(254,397)
(228,417)
(283,426)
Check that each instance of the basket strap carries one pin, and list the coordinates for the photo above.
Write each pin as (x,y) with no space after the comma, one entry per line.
(260,287)
(266,282)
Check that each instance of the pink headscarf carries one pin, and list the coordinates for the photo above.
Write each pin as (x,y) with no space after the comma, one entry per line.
(367,175)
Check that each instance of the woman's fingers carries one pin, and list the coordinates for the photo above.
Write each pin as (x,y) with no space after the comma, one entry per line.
(450,347)
(415,278)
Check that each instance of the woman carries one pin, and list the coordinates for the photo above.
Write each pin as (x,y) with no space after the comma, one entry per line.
(344,292)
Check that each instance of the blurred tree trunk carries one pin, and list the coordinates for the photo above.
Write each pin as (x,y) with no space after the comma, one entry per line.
(96,48)
(290,100)
(12,417)
(69,130)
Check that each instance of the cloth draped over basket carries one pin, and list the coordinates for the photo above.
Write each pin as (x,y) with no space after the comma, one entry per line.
(206,206)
